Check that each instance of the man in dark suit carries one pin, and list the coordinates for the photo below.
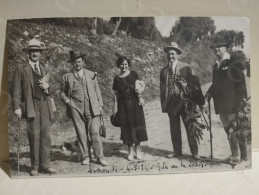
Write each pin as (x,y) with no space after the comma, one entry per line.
(228,89)
(81,93)
(170,95)
(31,99)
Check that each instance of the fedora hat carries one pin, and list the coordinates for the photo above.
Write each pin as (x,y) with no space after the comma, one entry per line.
(75,55)
(174,46)
(34,44)
(220,42)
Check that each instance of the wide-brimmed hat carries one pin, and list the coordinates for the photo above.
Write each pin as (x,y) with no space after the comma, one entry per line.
(174,46)
(75,55)
(34,44)
(220,42)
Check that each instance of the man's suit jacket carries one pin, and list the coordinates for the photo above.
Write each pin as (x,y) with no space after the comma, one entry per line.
(23,90)
(164,83)
(94,92)
(228,86)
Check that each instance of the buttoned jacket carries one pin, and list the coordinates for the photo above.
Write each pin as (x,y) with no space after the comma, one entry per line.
(23,90)
(92,86)
(228,86)
(164,82)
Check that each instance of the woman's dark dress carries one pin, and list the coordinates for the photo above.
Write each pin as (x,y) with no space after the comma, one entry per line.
(133,126)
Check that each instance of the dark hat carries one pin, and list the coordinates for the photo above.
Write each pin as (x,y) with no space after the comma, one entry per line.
(174,46)
(220,42)
(75,55)
(115,120)
(34,44)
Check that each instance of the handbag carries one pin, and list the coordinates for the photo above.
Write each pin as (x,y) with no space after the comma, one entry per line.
(115,120)
(102,130)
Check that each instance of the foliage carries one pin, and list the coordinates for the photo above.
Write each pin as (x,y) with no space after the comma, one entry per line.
(190,29)
(143,46)
(139,27)
(235,38)
(147,57)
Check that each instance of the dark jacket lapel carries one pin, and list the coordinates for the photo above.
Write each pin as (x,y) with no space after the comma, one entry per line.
(166,70)
(223,64)
(43,70)
(28,70)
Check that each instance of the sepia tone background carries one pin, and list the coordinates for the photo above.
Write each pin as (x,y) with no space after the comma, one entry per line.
(214,183)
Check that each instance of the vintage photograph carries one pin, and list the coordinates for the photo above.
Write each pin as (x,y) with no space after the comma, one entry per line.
(128,95)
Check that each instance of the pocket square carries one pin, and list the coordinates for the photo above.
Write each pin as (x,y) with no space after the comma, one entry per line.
(225,68)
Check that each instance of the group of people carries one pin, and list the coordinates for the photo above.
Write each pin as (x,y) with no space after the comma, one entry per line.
(179,90)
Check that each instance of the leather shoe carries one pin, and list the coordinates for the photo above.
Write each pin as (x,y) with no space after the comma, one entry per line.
(86,161)
(176,155)
(234,159)
(102,162)
(48,171)
(34,172)
(196,157)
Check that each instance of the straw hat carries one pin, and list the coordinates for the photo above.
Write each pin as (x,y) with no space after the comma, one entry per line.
(34,44)
(174,46)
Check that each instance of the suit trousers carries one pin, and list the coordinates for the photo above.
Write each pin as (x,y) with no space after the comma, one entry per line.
(87,129)
(236,139)
(175,128)
(38,130)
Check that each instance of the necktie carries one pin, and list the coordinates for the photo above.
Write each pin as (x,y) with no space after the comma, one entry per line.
(36,70)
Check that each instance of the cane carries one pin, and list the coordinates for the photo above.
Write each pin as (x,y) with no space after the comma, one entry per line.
(18,146)
(211,151)
(201,108)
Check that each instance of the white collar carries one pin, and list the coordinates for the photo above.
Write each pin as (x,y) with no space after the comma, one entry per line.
(33,64)
(173,65)
(80,73)
(225,57)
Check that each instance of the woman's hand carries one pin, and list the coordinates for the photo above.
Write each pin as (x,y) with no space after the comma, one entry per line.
(141,101)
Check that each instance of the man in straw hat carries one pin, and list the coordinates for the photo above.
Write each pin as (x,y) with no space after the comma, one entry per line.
(31,99)
(228,90)
(81,93)
(170,96)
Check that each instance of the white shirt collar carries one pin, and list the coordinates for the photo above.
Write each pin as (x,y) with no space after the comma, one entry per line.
(80,73)
(173,65)
(33,64)
(225,57)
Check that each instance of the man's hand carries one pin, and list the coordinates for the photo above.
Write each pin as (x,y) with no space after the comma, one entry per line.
(208,96)
(43,85)
(18,113)
(101,109)
(68,103)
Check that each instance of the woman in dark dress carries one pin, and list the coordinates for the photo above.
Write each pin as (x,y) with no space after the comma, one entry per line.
(129,108)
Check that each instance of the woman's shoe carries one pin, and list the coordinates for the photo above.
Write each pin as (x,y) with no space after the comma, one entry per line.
(138,152)
(131,153)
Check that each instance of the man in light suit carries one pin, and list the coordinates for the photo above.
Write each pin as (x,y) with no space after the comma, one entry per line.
(171,100)
(31,99)
(81,93)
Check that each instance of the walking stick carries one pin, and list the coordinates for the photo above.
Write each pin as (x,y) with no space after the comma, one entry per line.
(204,117)
(211,150)
(18,146)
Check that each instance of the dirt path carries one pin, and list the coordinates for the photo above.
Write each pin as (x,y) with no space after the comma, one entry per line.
(155,150)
